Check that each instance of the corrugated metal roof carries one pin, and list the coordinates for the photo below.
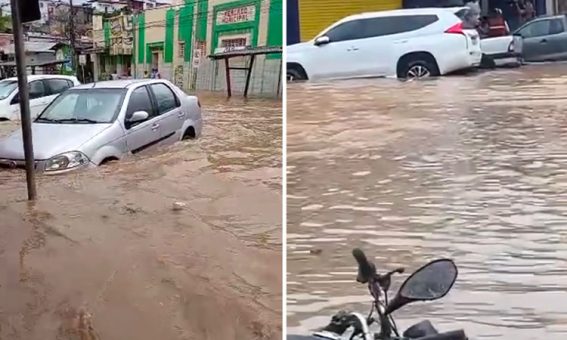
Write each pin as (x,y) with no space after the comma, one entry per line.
(33,46)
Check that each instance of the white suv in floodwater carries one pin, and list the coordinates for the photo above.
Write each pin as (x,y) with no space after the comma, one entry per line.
(408,43)
(43,89)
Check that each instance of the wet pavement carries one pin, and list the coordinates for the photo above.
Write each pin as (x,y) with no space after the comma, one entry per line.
(468,167)
(104,254)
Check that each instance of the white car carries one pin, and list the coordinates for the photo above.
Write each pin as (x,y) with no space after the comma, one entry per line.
(407,43)
(504,51)
(43,90)
(92,124)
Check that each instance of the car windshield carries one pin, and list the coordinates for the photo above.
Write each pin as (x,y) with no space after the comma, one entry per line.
(7,87)
(88,106)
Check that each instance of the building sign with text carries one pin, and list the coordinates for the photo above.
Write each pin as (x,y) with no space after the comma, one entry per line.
(121,35)
(236,15)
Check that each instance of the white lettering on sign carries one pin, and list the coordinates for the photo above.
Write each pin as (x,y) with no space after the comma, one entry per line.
(236,15)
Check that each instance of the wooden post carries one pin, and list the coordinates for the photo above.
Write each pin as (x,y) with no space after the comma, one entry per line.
(280,74)
(227,68)
(248,75)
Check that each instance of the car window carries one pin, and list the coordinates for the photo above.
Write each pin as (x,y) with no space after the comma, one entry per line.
(165,98)
(140,101)
(349,30)
(7,87)
(556,26)
(377,27)
(37,89)
(536,29)
(57,86)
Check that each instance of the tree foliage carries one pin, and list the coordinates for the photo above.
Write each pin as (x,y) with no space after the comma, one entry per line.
(63,20)
(5,24)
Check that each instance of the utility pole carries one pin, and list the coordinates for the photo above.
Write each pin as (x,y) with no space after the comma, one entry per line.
(72,34)
(21,68)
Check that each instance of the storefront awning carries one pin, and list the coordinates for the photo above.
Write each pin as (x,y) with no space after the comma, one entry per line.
(243,52)
(250,51)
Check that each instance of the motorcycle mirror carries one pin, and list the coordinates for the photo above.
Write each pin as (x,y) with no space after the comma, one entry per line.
(430,282)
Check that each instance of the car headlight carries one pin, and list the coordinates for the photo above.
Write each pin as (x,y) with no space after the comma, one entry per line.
(65,161)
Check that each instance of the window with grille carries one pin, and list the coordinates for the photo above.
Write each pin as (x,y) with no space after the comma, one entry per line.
(181,49)
(234,42)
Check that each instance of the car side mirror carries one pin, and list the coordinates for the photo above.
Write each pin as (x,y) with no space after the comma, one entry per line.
(323,40)
(16,99)
(517,34)
(138,116)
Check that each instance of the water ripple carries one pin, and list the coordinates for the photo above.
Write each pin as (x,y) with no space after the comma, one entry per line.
(472,168)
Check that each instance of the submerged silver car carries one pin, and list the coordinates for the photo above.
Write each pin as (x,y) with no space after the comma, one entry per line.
(91,124)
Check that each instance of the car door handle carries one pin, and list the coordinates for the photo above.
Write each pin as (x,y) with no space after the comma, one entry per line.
(155,126)
(181,114)
(543,41)
(353,49)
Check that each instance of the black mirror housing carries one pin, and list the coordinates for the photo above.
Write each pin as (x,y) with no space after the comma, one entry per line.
(430,282)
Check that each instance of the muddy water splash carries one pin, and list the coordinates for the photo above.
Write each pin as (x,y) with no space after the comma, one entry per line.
(472,168)
(104,255)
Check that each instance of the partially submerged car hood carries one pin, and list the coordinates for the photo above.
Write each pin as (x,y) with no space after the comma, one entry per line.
(50,140)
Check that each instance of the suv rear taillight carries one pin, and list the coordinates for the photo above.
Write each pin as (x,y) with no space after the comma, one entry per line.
(456,29)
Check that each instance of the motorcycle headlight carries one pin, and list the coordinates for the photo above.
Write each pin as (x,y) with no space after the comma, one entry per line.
(65,161)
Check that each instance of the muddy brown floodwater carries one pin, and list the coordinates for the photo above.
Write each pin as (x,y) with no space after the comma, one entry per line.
(102,255)
(473,168)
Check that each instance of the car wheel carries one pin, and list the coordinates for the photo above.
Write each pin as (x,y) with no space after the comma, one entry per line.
(419,69)
(294,75)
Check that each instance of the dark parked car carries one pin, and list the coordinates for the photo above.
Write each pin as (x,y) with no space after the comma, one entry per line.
(544,39)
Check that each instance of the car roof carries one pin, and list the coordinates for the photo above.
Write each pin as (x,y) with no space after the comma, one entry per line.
(44,76)
(551,16)
(118,84)
(397,12)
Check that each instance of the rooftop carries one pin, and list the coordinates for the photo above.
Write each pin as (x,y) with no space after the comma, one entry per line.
(33,47)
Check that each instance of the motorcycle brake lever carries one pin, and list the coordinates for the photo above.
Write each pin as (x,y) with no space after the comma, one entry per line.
(385,280)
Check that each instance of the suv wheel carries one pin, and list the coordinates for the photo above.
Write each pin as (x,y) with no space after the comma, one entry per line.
(419,69)
(294,75)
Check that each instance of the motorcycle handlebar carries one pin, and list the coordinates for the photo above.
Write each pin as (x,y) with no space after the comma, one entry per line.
(366,269)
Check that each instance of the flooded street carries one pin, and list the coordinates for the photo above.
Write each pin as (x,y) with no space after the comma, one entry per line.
(103,255)
(468,167)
